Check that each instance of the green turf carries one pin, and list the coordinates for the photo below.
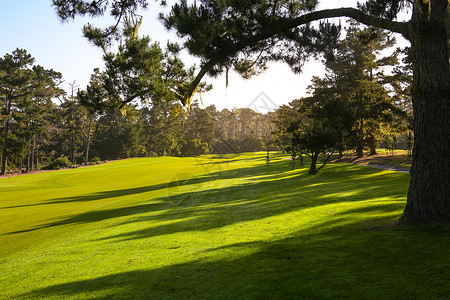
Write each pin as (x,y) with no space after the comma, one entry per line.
(215,228)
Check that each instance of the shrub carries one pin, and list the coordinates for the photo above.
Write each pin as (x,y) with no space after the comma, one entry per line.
(58,163)
(96,160)
(194,147)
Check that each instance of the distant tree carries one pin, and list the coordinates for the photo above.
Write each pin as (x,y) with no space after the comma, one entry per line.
(313,126)
(200,125)
(117,134)
(356,73)
(71,129)
(46,89)
(162,128)
(194,147)
(16,86)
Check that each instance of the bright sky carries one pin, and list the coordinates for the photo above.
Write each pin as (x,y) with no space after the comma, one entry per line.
(34,26)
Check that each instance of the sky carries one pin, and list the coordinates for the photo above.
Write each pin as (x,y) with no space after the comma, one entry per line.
(33,25)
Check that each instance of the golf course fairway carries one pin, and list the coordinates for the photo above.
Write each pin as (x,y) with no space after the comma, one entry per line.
(216,227)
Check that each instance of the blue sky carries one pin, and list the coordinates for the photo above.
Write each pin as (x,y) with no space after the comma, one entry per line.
(34,26)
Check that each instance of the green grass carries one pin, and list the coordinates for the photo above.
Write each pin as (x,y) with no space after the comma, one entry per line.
(215,227)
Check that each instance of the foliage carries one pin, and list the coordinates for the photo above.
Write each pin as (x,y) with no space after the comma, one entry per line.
(58,163)
(357,75)
(26,91)
(313,126)
(96,160)
(194,147)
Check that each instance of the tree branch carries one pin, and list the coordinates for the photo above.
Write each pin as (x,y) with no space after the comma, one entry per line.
(356,14)
(282,25)
(326,160)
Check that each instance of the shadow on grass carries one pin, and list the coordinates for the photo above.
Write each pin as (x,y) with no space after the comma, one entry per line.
(340,261)
(210,176)
(331,258)
(259,192)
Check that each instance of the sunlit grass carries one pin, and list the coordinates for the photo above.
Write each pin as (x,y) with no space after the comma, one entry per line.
(214,227)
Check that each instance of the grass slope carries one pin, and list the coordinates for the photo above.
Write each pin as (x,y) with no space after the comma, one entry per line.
(214,227)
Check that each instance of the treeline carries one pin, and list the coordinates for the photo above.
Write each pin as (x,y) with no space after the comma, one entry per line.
(164,129)
(43,127)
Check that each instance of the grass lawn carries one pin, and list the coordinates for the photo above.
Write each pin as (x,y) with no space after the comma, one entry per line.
(216,227)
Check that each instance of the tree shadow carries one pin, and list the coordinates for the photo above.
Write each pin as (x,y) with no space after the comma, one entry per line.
(331,258)
(249,197)
(208,176)
(324,262)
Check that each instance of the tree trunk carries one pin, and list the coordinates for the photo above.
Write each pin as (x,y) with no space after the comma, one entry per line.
(313,168)
(360,150)
(5,139)
(27,162)
(37,153)
(88,141)
(372,145)
(429,190)
(360,140)
(33,152)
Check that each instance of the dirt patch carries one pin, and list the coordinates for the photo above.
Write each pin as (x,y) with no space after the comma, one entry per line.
(386,162)
(45,171)
(28,173)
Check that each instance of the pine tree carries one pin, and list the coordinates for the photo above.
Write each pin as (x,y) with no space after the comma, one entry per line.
(16,87)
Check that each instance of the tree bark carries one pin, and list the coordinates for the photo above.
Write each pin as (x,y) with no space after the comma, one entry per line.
(372,145)
(5,139)
(88,141)
(429,190)
(312,168)
(33,152)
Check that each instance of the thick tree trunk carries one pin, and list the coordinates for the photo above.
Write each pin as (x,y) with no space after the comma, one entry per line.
(372,145)
(429,191)
(313,167)
(360,150)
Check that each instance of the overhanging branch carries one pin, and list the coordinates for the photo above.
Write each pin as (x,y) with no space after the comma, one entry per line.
(282,25)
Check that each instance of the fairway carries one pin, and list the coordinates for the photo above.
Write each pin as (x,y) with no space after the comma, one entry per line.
(216,227)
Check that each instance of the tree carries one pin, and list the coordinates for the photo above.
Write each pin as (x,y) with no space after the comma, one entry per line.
(162,123)
(117,134)
(232,32)
(46,87)
(200,125)
(313,126)
(15,87)
(356,73)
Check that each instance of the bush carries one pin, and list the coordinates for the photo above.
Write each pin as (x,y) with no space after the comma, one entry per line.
(60,162)
(96,160)
(152,154)
(194,147)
